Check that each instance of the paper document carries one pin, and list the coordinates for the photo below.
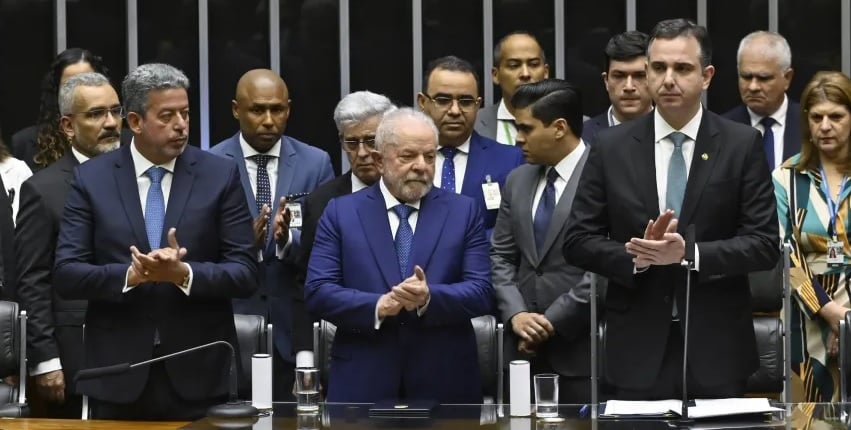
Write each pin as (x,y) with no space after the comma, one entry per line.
(656,407)
(701,409)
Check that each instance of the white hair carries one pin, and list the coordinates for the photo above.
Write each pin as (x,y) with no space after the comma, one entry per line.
(360,106)
(385,135)
(774,46)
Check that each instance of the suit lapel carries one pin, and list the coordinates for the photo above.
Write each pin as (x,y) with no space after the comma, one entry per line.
(792,133)
(234,150)
(376,226)
(702,161)
(476,165)
(526,188)
(286,170)
(644,169)
(562,209)
(68,163)
(128,193)
(430,222)
(181,187)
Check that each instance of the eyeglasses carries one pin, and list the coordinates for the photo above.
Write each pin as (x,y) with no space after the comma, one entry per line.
(465,103)
(100,113)
(352,145)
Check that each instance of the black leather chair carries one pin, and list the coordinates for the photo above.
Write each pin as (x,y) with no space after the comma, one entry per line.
(845,357)
(488,337)
(254,337)
(13,352)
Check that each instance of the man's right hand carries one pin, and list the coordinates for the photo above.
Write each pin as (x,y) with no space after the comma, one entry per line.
(261,226)
(281,228)
(531,327)
(388,306)
(51,385)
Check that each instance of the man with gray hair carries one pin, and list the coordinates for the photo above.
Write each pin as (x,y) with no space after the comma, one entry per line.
(91,119)
(151,294)
(399,280)
(765,72)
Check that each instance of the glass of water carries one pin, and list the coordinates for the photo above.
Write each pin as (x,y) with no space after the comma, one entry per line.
(546,395)
(307,389)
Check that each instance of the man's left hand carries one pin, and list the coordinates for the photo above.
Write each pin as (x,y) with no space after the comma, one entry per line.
(669,250)
(413,291)
(281,223)
(165,264)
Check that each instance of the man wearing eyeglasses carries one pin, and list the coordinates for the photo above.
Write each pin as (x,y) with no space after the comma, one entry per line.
(272,166)
(91,118)
(467,163)
(157,236)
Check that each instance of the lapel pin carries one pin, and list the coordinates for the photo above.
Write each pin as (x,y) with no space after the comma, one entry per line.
(704,156)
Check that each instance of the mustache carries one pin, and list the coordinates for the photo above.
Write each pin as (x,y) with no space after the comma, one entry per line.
(109,133)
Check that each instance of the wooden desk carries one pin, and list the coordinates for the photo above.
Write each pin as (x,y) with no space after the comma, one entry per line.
(48,424)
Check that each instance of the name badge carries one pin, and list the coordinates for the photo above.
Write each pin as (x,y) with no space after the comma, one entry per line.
(835,254)
(296,219)
(491,192)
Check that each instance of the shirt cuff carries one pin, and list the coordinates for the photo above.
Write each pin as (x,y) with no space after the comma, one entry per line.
(281,251)
(378,320)
(422,309)
(696,258)
(188,286)
(636,270)
(48,366)
(304,359)
(260,256)
(126,279)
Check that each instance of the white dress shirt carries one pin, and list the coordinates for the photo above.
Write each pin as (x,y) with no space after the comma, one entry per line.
(14,172)
(506,132)
(779,129)
(565,168)
(357,184)
(271,167)
(460,160)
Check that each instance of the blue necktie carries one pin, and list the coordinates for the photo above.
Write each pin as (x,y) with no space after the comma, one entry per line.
(768,140)
(264,189)
(544,212)
(677,177)
(447,179)
(404,239)
(155,207)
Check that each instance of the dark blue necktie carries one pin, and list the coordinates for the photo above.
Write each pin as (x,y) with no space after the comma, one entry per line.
(404,239)
(544,212)
(768,140)
(155,207)
(264,189)
(447,179)
(677,177)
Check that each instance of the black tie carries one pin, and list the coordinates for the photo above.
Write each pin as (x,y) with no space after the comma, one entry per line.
(768,140)
(544,213)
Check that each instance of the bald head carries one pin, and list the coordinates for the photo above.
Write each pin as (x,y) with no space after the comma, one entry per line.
(262,107)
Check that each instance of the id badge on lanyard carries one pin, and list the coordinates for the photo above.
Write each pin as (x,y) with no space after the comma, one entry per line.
(835,247)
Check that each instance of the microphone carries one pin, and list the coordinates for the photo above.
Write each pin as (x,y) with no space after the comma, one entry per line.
(688,263)
(232,409)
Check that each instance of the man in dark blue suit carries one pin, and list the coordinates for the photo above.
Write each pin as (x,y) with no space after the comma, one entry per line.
(467,163)
(400,268)
(272,166)
(150,294)
(765,72)
(625,79)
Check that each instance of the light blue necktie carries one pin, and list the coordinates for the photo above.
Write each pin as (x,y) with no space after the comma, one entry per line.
(155,207)
(404,239)
(677,177)
(447,178)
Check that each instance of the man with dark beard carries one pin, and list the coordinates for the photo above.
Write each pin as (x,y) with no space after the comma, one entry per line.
(91,119)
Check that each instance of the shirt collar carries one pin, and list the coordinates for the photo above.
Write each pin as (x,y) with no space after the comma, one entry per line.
(248,151)
(390,200)
(463,148)
(502,112)
(81,158)
(567,165)
(357,184)
(779,115)
(663,129)
(142,164)
(610,117)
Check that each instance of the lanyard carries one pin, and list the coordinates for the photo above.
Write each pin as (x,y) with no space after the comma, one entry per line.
(507,132)
(832,205)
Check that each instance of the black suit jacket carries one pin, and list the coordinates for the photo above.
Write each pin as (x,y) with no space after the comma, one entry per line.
(593,125)
(314,205)
(791,134)
(729,199)
(54,325)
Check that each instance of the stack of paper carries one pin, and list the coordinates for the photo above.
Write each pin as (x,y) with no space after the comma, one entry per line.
(701,408)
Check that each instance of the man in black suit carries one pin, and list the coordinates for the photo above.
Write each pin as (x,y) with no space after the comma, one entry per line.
(357,116)
(639,170)
(765,72)
(157,236)
(625,79)
(91,118)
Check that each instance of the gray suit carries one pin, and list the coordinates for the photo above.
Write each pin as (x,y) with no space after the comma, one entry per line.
(486,121)
(526,281)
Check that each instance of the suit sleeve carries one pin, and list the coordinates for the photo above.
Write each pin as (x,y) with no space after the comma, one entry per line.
(326,295)
(587,243)
(34,244)
(505,259)
(755,245)
(235,274)
(472,297)
(570,313)
(302,327)
(75,251)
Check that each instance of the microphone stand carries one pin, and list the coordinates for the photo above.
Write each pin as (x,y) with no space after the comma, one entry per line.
(688,264)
